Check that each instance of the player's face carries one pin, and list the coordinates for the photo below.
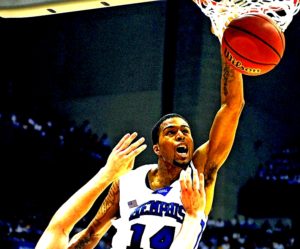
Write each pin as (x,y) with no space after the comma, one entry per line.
(175,142)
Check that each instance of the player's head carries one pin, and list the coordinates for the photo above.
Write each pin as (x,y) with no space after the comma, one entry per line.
(172,140)
(156,128)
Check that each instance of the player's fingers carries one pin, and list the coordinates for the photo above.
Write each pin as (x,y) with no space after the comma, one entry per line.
(127,141)
(134,146)
(188,178)
(119,144)
(137,151)
(196,183)
(182,180)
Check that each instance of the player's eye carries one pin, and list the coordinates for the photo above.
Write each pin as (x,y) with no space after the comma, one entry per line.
(170,132)
(185,131)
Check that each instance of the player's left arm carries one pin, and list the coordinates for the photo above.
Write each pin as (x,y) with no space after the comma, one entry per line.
(209,157)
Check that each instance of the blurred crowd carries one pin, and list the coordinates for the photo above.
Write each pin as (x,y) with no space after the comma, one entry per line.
(283,166)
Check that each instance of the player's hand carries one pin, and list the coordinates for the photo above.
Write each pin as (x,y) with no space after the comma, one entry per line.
(193,195)
(121,159)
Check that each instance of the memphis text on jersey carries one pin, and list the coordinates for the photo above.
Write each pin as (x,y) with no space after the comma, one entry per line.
(159,208)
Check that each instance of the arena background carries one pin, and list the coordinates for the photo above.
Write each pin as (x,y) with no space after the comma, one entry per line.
(120,68)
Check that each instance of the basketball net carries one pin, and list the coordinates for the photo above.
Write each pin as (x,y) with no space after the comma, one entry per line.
(221,12)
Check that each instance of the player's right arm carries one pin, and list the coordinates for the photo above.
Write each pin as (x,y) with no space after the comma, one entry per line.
(210,156)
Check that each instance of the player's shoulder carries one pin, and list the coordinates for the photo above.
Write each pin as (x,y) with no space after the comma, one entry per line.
(136,176)
(143,169)
(139,171)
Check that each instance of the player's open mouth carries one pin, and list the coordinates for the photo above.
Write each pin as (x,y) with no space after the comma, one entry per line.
(182,150)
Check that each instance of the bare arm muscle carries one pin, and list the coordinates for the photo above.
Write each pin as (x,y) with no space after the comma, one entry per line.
(209,157)
(90,236)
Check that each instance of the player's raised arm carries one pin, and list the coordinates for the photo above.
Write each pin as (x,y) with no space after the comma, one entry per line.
(210,156)
(226,121)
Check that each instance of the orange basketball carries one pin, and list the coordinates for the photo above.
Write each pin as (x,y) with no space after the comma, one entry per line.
(253,44)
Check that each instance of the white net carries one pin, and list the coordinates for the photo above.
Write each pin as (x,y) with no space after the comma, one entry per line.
(221,12)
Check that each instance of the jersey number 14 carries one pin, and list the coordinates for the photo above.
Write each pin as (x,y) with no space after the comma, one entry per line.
(160,240)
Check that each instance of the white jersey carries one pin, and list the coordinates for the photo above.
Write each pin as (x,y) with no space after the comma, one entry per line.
(150,219)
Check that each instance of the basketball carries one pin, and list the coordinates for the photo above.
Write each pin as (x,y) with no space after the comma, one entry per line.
(253,44)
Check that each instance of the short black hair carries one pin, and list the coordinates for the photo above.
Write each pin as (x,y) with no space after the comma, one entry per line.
(155,128)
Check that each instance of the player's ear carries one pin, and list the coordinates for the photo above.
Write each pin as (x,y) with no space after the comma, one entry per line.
(156,149)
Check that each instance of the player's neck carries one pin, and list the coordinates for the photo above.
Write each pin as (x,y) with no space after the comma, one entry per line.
(161,176)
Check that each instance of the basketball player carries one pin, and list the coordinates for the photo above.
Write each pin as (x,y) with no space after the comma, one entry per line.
(160,205)
(120,161)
